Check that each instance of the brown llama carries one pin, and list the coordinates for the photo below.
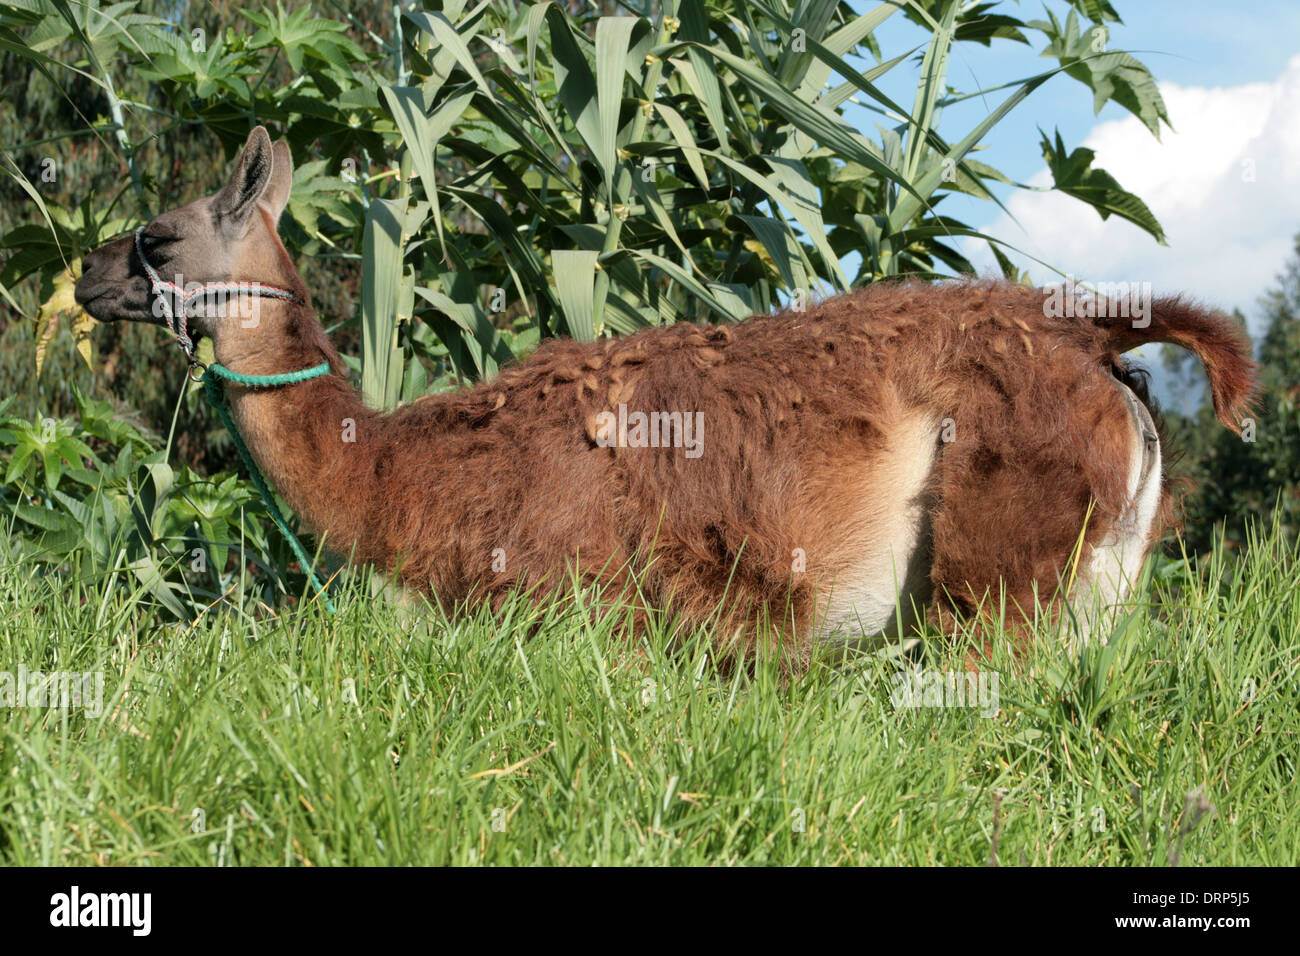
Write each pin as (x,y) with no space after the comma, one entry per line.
(903,445)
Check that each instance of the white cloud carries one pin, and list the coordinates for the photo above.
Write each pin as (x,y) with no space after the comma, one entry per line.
(1228,234)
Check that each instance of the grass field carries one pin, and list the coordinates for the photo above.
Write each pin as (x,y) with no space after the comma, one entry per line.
(379,737)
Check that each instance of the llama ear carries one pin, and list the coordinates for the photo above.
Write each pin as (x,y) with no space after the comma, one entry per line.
(276,196)
(238,198)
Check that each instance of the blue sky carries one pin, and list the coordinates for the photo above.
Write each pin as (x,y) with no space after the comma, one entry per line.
(1224,183)
(1189,43)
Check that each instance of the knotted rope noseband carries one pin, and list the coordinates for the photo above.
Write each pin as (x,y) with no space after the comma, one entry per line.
(213,375)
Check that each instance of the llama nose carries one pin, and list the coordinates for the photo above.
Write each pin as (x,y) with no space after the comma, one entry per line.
(90,267)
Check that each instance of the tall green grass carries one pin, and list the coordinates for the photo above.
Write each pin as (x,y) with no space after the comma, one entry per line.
(391,736)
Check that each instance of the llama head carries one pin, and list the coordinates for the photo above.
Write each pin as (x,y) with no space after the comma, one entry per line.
(228,237)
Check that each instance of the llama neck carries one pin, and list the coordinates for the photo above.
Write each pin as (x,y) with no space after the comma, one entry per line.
(310,439)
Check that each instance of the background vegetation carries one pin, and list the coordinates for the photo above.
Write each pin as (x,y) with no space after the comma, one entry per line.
(472,177)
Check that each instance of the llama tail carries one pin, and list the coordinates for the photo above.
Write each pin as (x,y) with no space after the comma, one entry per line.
(1221,345)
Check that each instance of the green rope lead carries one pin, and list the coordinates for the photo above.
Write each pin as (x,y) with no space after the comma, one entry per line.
(217,398)
(270,381)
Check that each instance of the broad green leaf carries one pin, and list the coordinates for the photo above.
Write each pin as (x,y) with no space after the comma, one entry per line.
(576,89)
(697,69)
(842,42)
(575,284)
(736,299)
(908,206)
(925,112)
(612,37)
(728,310)
(314,195)
(482,339)
(421,133)
(802,206)
(682,134)
(827,130)
(649,194)
(813,17)
(386,298)
(687,69)
(1075,176)
(446,37)
(782,247)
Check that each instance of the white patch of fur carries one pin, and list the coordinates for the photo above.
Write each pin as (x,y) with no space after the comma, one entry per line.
(864,600)
(1117,559)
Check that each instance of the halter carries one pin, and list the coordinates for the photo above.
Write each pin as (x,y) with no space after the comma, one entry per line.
(213,375)
(177,324)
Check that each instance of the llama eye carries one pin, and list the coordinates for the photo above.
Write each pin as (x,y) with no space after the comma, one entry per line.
(157,235)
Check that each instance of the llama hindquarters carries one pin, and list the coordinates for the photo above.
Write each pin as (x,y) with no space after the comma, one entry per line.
(1048,492)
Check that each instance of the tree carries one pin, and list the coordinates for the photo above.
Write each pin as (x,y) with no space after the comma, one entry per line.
(1237,481)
